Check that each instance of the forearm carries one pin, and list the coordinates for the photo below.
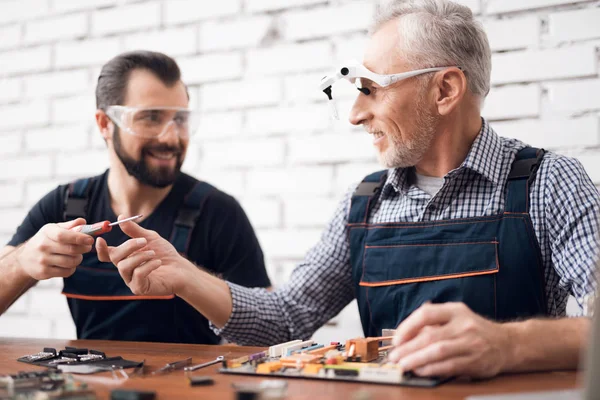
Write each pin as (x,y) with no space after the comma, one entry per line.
(14,281)
(538,344)
(206,293)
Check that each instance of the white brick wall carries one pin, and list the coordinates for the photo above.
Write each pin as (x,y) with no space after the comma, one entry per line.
(252,67)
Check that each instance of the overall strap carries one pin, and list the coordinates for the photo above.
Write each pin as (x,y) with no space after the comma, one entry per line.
(76,199)
(188,214)
(362,197)
(522,174)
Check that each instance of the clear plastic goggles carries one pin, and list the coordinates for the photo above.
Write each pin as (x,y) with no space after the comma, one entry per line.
(154,122)
(364,80)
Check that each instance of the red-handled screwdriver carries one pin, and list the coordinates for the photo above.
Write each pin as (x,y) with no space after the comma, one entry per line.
(100,228)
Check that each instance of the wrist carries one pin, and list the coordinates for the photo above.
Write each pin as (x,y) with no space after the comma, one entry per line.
(184,276)
(16,268)
(512,346)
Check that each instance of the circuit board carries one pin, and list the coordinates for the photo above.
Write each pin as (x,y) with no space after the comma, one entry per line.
(359,360)
(43,385)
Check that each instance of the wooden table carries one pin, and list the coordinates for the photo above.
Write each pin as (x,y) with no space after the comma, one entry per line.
(175,386)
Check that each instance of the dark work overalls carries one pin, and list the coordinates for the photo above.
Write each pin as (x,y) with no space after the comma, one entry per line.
(492,264)
(98,297)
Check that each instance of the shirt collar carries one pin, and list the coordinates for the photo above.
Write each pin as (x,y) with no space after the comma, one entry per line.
(484,158)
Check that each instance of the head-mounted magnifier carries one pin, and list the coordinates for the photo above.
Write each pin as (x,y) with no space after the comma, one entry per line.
(354,72)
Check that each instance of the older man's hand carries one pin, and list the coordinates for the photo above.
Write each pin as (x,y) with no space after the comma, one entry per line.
(450,340)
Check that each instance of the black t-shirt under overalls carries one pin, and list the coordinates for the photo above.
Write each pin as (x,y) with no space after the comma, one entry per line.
(222,242)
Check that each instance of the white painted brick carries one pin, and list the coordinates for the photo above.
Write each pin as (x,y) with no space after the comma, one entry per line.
(502,6)
(591,163)
(57,84)
(289,58)
(212,67)
(174,42)
(326,21)
(10,90)
(312,212)
(179,11)
(512,102)
(567,62)
(57,138)
(24,114)
(239,33)
(271,5)
(254,93)
(575,25)
(285,244)
(192,159)
(25,327)
(349,48)
(87,52)
(230,182)
(349,175)
(82,164)
(49,30)
(12,194)
(74,109)
(26,167)
(19,10)
(263,213)
(21,306)
(11,36)
(553,133)
(35,190)
(25,60)
(300,119)
(574,96)
(300,180)
(285,272)
(514,33)
(11,218)
(304,87)
(219,125)
(63,326)
(264,152)
(474,5)
(331,148)
(48,302)
(126,19)
(71,5)
(10,143)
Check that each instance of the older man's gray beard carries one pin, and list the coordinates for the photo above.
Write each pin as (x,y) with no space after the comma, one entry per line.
(401,154)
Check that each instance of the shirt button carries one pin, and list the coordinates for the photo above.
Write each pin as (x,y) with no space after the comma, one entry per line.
(432,207)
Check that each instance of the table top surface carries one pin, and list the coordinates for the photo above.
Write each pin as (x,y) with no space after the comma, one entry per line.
(175,385)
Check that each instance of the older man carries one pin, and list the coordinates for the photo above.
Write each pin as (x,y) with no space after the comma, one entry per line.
(469,244)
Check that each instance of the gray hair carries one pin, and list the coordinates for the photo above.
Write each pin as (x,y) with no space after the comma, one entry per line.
(438,33)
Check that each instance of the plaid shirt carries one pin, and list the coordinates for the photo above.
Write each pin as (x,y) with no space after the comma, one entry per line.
(564,208)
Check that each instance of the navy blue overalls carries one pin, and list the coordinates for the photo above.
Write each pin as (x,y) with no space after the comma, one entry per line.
(492,263)
(95,288)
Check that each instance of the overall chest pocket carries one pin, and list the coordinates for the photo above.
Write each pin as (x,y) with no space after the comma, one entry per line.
(387,263)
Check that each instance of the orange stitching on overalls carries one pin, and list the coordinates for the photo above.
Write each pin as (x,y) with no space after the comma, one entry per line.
(132,297)
(428,279)
(426,245)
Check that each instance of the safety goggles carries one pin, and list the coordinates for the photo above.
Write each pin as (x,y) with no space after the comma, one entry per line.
(153,122)
(364,79)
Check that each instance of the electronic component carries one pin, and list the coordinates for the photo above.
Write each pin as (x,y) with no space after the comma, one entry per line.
(201,380)
(46,354)
(123,394)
